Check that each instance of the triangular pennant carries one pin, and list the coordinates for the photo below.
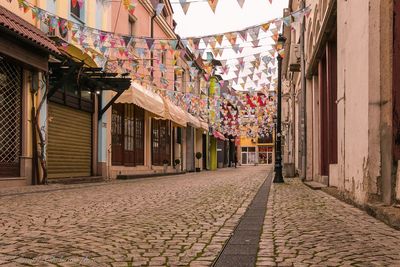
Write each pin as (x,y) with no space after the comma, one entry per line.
(213,4)
(243,35)
(265,26)
(287,20)
(185,6)
(219,38)
(196,43)
(255,43)
(159,8)
(150,43)
(173,44)
(241,2)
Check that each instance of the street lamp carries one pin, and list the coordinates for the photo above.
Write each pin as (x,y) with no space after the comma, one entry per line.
(278,140)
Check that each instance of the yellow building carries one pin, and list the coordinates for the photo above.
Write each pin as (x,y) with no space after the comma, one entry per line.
(253,151)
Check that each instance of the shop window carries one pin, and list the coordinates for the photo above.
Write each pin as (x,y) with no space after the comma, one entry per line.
(248,155)
(127,131)
(265,155)
(161,142)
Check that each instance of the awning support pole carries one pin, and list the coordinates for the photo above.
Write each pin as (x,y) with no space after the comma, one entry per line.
(112,101)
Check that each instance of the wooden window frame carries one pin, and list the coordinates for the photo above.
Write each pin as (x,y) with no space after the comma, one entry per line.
(160,142)
(128,127)
(75,10)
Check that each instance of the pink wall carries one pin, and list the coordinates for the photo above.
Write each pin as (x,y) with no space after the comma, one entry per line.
(142,19)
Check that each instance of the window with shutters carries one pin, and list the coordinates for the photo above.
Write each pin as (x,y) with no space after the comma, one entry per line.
(77,9)
(127,131)
(10,118)
(161,142)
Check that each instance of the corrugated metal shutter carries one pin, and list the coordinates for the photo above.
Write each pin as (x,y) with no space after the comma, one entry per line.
(69,150)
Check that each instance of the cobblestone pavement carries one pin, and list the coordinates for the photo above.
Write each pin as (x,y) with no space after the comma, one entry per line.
(181,220)
(304,227)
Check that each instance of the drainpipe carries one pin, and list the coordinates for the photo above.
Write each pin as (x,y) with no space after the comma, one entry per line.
(304,98)
(151,51)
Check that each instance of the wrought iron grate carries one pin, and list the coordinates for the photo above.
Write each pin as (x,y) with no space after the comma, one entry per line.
(10,114)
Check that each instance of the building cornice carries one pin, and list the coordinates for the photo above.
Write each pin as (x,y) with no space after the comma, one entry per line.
(148,6)
(328,25)
(165,27)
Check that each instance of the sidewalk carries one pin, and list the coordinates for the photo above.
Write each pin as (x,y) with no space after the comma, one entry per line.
(305,227)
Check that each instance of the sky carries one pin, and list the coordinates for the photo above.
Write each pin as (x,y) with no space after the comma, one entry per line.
(229,16)
(200,20)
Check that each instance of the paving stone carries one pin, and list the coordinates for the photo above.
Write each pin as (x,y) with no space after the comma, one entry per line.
(305,227)
(174,221)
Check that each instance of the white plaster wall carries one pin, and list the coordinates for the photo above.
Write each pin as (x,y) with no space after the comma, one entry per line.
(353,74)
(314,88)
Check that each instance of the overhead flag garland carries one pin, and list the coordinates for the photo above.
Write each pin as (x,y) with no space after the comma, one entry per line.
(246,113)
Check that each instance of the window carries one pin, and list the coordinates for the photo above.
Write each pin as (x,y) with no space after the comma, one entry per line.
(265,140)
(183,86)
(163,55)
(248,155)
(161,142)
(76,10)
(265,154)
(127,135)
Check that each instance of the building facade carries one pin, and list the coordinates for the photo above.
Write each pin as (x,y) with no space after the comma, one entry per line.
(350,97)
(23,73)
(90,124)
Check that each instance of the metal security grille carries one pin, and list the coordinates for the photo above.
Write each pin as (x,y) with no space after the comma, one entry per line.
(10,118)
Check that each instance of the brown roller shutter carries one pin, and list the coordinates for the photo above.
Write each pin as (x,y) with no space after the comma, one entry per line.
(69,142)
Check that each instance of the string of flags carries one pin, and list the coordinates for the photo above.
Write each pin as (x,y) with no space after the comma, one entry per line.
(237,114)
(185,4)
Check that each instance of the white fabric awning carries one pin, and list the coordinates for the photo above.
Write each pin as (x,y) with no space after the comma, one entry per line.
(193,121)
(175,113)
(204,125)
(144,98)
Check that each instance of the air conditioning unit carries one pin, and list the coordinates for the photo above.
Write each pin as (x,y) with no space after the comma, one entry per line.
(294,59)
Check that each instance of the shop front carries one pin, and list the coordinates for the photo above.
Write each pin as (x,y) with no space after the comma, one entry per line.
(265,154)
(24,56)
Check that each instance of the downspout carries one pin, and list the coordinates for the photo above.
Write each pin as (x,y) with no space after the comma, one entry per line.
(151,51)
(304,96)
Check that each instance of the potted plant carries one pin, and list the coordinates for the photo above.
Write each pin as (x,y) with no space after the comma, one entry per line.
(177,163)
(198,157)
(165,164)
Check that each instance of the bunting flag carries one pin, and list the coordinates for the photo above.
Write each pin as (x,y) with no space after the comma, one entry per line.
(159,8)
(213,5)
(241,2)
(185,6)
(150,43)
(130,54)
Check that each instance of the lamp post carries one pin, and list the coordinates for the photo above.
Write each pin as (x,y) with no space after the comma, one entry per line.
(278,132)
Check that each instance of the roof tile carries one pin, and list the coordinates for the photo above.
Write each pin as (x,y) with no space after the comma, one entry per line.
(20,26)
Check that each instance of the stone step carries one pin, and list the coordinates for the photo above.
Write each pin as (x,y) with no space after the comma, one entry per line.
(76,180)
(146,175)
(314,185)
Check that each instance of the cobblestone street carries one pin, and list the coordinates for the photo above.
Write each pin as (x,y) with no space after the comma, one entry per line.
(182,220)
(185,221)
(304,227)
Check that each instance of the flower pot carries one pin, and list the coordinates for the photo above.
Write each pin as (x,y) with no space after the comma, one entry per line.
(165,168)
(178,168)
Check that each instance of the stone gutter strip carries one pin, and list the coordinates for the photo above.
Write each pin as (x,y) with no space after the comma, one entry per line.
(242,247)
